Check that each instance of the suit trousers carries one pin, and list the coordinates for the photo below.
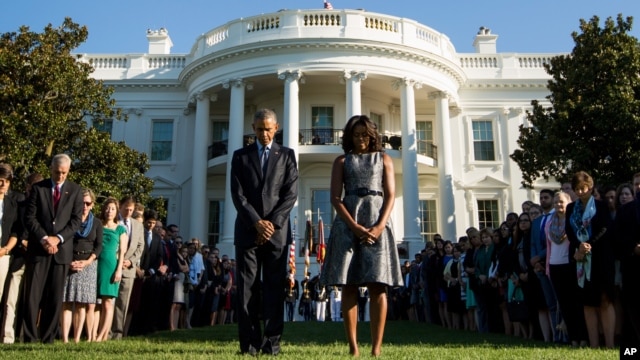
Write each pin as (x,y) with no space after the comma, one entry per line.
(260,275)
(121,308)
(44,290)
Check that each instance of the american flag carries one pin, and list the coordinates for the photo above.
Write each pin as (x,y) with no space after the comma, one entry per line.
(321,245)
(308,234)
(327,5)
(292,254)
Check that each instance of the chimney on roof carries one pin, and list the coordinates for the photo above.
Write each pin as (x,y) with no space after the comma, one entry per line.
(159,41)
(485,42)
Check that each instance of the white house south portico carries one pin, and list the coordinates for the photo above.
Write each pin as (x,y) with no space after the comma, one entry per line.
(441,115)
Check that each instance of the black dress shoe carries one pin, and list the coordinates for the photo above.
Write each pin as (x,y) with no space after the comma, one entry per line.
(251,351)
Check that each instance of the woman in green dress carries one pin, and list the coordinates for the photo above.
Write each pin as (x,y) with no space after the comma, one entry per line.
(114,246)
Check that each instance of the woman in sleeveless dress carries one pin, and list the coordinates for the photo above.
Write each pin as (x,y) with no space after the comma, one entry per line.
(361,250)
(80,286)
(114,246)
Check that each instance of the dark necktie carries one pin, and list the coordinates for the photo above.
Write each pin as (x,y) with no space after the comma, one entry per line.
(56,197)
(264,160)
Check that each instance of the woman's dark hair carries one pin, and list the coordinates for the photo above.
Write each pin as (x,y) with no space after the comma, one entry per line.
(372,132)
(103,211)
(6,172)
(518,234)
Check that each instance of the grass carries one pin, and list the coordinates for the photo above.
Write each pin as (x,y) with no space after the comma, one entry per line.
(311,340)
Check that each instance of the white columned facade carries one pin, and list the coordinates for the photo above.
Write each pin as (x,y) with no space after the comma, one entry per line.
(445,165)
(410,198)
(354,81)
(290,121)
(236,131)
(199,203)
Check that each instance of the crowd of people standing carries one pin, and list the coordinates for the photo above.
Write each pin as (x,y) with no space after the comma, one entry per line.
(104,274)
(563,270)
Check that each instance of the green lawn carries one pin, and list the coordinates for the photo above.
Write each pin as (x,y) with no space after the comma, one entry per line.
(310,340)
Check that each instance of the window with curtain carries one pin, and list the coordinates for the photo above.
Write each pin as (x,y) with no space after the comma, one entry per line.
(162,140)
(428,219)
(424,133)
(216,221)
(488,214)
(483,144)
(322,125)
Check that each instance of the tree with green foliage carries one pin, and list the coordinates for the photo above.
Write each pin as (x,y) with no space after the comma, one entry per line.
(47,98)
(593,123)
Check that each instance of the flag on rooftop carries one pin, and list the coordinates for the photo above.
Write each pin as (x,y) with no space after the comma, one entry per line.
(327,5)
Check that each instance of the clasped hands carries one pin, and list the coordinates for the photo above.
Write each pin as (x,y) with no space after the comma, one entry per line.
(367,236)
(50,244)
(265,230)
(583,250)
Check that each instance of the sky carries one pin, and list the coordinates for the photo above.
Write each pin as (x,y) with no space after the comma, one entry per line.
(117,26)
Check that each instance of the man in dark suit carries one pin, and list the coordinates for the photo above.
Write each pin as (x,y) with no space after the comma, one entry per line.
(135,231)
(264,188)
(53,215)
(627,246)
(154,271)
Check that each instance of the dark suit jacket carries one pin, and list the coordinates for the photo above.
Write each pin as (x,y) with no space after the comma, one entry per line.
(152,255)
(42,221)
(627,233)
(602,258)
(257,197)
(11,222)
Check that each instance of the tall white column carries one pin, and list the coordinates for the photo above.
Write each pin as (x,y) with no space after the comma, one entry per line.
(410,195)
(290,120)
(445,165)
(353,81)
(199,204)
(236,132)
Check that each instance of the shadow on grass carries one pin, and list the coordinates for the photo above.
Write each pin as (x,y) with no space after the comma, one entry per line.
(396,333)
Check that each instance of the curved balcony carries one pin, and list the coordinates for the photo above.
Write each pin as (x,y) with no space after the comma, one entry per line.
(314,137)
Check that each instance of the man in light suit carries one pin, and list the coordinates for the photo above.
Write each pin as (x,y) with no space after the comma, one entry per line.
(52,216)
(264,188)
(135,231)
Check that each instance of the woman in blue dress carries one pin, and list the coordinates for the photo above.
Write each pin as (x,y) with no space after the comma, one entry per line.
(361,250)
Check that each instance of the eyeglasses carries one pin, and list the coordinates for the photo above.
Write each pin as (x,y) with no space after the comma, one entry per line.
(88,203)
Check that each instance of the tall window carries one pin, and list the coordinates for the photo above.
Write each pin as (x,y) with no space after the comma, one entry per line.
(376,119)
(428,219)
(488,214)
(424,132)
(216,219)
(322,125)
(483,148)
(106,126)
(220,131)
(161,140)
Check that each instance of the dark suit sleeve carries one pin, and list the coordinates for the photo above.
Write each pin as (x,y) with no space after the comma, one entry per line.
(97,243)
(246,212)
(31,214)
(288,193)
(574,243)
(74,206)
